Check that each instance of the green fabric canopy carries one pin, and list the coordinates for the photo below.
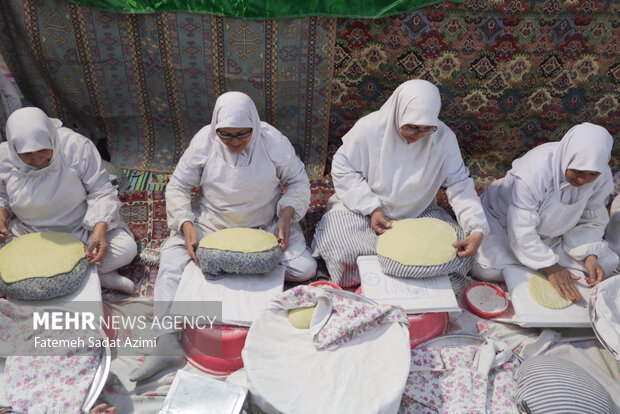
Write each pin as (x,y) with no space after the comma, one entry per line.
(265,9)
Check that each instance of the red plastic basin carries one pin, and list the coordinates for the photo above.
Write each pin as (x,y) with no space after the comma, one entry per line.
(217,350)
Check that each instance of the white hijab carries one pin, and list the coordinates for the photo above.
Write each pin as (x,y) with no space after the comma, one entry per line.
(29,130)
(585,147)
(235,110)
(405,176)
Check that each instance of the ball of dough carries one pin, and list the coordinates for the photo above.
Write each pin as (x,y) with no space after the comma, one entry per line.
(300,318)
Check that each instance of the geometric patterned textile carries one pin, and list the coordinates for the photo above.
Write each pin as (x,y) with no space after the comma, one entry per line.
(512,73)
(147,83)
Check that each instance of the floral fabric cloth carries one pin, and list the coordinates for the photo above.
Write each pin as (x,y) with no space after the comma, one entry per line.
(337,318)
(45,378)
(446,380)
(49,384)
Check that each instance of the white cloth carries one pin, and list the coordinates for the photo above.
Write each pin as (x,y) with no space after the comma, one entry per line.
(606,315)
(71,194)
(287,374)
(243,297)
(612,232)
(376,167)
(538,219)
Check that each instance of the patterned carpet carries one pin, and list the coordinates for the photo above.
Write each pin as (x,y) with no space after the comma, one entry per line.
(146,83)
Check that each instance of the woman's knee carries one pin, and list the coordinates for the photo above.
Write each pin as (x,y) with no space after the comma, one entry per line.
(301,268)
(487,273)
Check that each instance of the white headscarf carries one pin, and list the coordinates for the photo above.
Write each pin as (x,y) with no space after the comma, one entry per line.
(585,147)
(235,110)
(405,176)
(29,130)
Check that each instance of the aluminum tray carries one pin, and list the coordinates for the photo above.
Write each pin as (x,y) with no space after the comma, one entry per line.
(101,376)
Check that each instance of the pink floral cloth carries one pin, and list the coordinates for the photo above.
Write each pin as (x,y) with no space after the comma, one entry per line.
(45,379)
(49,384)
(337,319)
(444,380)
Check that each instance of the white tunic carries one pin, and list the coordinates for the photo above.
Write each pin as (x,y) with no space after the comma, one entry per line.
(71,194)
(239,190)
(376,167)
(537,217)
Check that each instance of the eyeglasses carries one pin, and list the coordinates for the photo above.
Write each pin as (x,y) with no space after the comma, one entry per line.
(241,135)
(408,129)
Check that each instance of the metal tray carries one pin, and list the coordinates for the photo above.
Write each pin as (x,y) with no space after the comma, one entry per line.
(101,376)
(453,340)
(351,295)
(193,393)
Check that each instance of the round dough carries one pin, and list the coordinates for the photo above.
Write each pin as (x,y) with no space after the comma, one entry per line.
(43,254)
(543,292)
(300,318)
(239,239)
(418,242)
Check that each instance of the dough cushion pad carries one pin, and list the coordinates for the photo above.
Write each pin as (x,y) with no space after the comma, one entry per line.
(238,250)
(300,318)
(39,266)
(543,292)
(418,242)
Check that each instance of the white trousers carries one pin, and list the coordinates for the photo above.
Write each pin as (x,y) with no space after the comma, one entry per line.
(121,251)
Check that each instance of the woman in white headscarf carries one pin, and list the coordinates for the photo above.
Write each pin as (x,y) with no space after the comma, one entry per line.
(52,179)
(548,212)
(390,166)
(239,163)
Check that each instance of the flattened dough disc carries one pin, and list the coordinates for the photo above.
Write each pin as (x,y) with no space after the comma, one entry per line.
(240,239)
(43,254)
(542,291)
(422,241)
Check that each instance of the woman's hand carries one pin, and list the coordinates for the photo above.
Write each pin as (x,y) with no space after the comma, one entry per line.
(191,239)
(103,409)
(284,226)
(468,247)
(594,269)
(98,247)
(378,222)
(4,225)
(562,281)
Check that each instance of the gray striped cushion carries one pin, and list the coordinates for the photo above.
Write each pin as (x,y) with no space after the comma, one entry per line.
(457,265)
(342,235)
(550,385)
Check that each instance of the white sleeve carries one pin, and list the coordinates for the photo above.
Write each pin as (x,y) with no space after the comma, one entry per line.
(292,173)
(462,194)
(586,237)
(612,232)
(351,186)
(525,241)
(102,200)
(185,177)
(5,168)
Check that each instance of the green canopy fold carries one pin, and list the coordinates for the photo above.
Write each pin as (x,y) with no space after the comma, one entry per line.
(265,9)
